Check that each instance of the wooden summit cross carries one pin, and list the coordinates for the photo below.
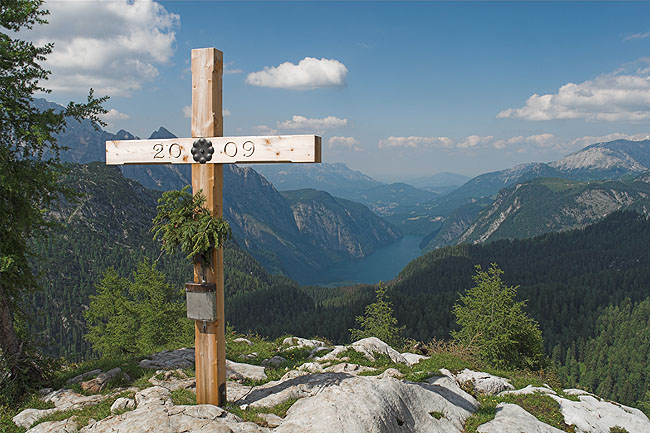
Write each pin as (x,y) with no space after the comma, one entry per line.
(207,122)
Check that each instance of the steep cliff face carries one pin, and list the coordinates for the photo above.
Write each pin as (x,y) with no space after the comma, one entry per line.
(548,205)
(339,225)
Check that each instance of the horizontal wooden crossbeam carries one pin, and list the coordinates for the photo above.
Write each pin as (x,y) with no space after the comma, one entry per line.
(227,150)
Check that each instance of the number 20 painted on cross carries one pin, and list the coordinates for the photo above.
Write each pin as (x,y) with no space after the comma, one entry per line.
(230,148)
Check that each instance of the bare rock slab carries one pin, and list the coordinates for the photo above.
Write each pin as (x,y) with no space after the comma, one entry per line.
(484,383)
(593,415)
(170,359)
(241,371)
(370,405)
(28,417)
(372,346)
(99,383)
(65,426)
(511,418)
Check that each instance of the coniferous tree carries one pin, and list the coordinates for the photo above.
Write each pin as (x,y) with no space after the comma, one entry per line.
(379,321)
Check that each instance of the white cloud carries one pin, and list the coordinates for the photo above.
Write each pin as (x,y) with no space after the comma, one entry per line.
(415,142)
(581,142)
(637,36)
(229,69)
(344,142)
(187,112)
(306,124)
(112,46)
(265,130)
(309,73)
(623,95)
(113,114)
(474,141)
(502,144)
(541,140)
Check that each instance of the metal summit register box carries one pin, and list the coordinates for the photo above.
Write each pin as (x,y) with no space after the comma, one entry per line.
(201,301)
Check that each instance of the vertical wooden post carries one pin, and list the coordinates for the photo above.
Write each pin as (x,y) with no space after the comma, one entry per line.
(207,121)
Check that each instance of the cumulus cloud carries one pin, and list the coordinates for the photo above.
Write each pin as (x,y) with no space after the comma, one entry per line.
(265,130)
(415,142)
(623,95)
(541,140)
(112,46)
(637,36)
(344,142)
(309,73)
(306,124)
(472,141)
(113,115)
(502,144)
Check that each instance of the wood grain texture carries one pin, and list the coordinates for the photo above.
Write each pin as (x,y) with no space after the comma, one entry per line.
(207,121)
(227,150)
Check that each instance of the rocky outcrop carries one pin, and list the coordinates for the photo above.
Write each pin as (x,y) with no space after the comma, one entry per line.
(511,418)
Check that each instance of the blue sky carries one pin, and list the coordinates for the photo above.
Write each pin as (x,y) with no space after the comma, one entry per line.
(397,90)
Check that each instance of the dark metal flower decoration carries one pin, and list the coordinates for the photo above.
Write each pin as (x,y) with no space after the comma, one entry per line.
(202,150)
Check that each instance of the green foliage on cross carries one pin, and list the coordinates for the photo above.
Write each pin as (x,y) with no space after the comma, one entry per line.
(183,223)
(495,325)
(379,321)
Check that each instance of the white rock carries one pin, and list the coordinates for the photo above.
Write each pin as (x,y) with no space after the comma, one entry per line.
(331,356)
(172,380)
(122,403)
(367,405)
(243,340)
(346,367)
(316,350)
(593,415)
(271,419)
(390,372)
(65,426)
(484,383)
(530,389)
(575,391)
(312,367)
(275,361)
(175,419)
(65,399)
(153,397)
(372,346)
(295,342)
(413,358)
(511,418)
(240,371)
(29,416)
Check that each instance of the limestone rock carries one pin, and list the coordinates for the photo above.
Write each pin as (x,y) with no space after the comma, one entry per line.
(275,361)
(593,415)
(99,383)
(412,358)
(175,419)
(271,419)
(530,389)
(152,397)
(333,354)
(243,340)
(65,399)
(86,375)
(366,405)
(122,403)
(170,359)
(390,372)
(373,345)
(346,367)
(511,418)
(172,380)
(65,426)
(240,371)
(296,342)
(312,367)
(484,383)
(29,416)
(575,391)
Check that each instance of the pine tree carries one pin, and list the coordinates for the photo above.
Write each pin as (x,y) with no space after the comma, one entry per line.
(379,321)
(495,325)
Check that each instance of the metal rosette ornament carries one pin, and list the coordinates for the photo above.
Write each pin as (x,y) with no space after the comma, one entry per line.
(202,150)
